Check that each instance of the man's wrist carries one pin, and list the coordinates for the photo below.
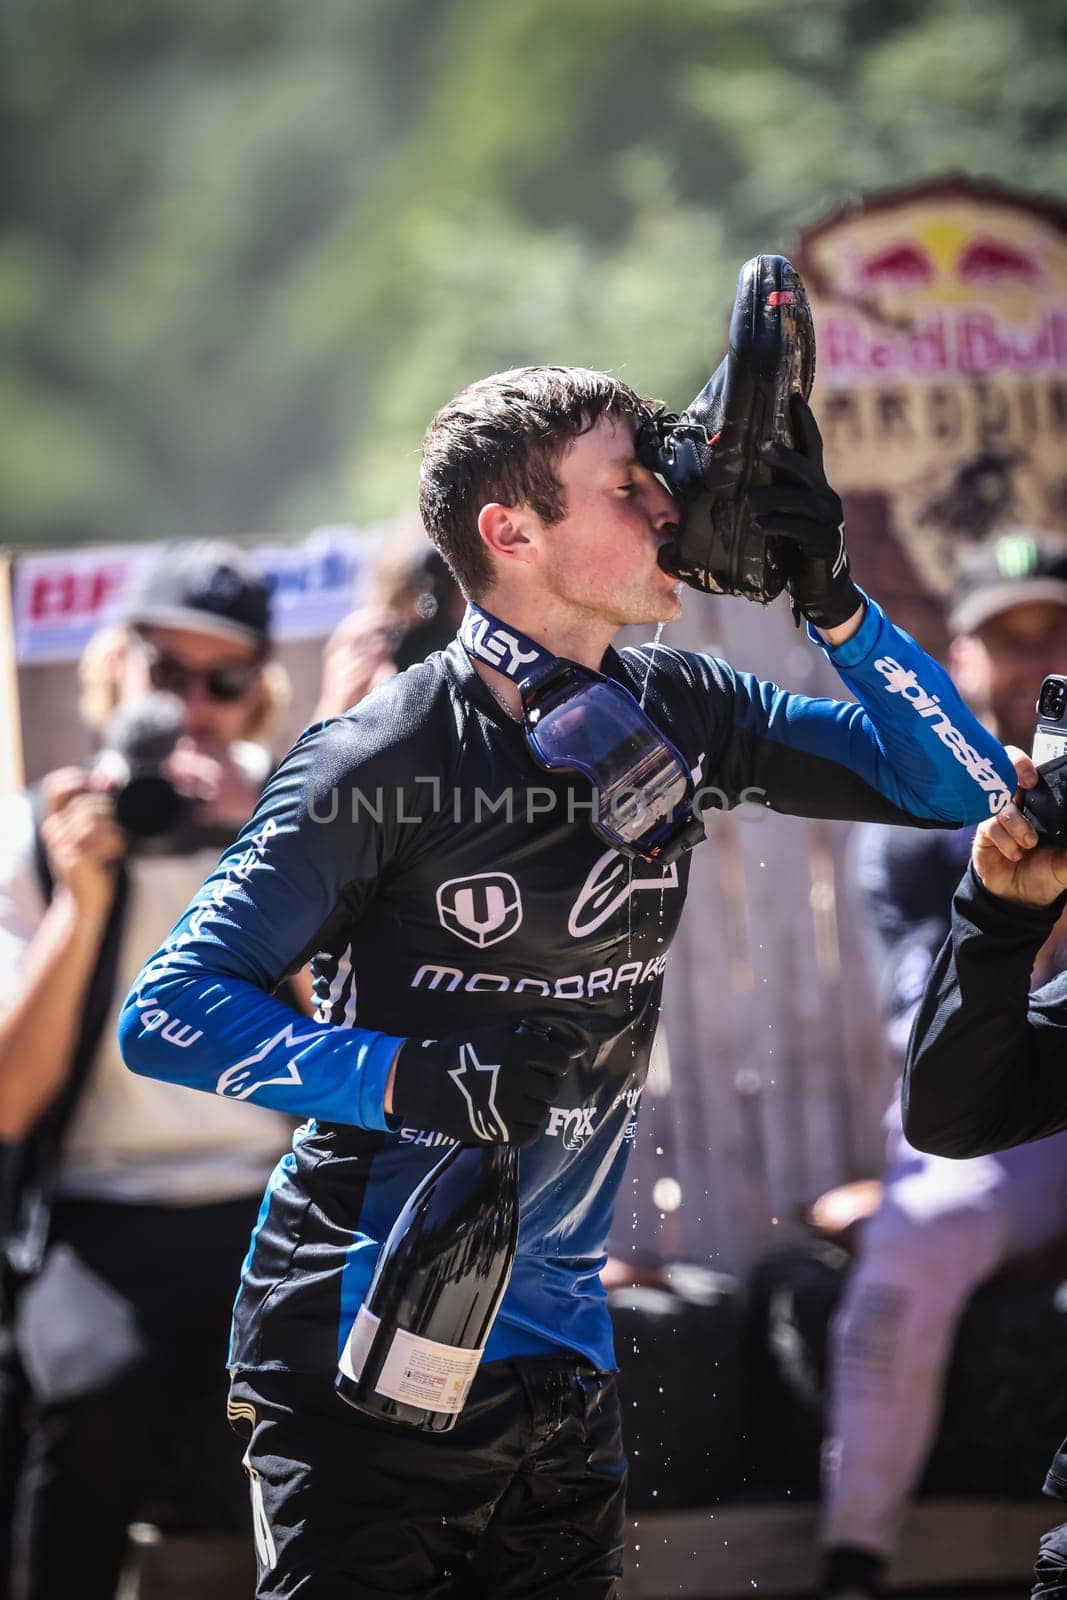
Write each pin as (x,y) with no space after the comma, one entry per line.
(85,911)
(841,632)
(1041,915)
(390,1082)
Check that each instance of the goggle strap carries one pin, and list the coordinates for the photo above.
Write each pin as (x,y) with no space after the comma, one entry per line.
(487,639)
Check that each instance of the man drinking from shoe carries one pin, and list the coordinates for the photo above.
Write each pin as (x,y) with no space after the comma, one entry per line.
(454,856)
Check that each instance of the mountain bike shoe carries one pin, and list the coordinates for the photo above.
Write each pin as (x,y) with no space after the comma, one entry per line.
(710,455)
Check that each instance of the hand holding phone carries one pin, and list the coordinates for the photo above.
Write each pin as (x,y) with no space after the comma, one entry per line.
(1045,807)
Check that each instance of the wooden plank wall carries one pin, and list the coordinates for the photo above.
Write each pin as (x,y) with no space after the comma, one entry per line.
(777,1083)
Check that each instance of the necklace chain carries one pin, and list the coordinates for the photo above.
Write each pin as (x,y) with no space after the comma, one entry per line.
(501,702)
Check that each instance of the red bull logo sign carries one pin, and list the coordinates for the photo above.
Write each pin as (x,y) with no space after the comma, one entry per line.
(983,263)
(941,381)
(973,343)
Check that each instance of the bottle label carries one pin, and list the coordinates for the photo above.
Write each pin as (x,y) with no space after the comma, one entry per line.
(358,1343)
(423,1373)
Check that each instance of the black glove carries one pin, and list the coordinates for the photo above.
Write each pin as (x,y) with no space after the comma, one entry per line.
(800,506)
(492,1086)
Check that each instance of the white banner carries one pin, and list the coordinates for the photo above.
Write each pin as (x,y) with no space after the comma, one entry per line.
(62,597)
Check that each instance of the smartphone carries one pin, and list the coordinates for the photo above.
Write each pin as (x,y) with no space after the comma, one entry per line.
(1050,729)
(1045,807)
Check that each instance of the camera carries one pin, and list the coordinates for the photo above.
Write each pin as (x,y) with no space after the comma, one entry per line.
(709,456)
(1045,807)
(136,743)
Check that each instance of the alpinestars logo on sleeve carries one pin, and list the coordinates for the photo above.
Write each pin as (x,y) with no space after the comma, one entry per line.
(256,1071)
(905,682)
(476,1082)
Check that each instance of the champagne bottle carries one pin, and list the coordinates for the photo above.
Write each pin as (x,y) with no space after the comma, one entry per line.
(418,1338)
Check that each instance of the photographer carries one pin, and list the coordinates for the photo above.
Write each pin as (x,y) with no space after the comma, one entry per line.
(127,1204)
(987,1062)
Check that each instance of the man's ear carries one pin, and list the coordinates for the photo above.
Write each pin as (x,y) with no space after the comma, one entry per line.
(504,530)
(968,665)
(960,656)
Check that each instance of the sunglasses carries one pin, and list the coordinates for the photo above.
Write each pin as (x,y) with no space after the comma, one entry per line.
(229,681)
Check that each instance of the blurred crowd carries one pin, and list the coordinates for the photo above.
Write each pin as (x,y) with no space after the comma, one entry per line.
(128,1203)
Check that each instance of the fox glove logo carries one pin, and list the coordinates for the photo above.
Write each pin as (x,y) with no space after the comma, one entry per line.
(476,1082)
(481,910)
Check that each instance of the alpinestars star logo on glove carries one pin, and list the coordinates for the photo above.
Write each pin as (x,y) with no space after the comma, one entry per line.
(476,1082)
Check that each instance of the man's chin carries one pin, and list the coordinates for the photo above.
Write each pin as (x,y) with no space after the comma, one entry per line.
(671,606)
(662,607)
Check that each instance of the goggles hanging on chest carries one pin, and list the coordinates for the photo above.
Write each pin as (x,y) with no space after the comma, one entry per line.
(577,720)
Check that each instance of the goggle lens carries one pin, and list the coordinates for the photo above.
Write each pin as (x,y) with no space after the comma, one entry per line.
(639,778)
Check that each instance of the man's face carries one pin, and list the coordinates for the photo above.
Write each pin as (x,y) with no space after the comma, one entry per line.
(998,668)
(191,665)
(602,556)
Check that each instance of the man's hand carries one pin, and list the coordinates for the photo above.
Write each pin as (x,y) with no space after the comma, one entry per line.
(1006,856)
(800,506)
(82,840)
(223,793)
(358,656)
(491,1086)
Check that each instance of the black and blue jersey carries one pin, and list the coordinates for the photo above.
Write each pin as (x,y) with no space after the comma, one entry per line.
(437,881)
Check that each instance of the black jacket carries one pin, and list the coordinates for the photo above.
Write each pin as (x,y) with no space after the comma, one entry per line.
(987,1059)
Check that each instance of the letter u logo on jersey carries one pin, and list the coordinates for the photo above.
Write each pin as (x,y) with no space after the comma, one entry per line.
(481,910)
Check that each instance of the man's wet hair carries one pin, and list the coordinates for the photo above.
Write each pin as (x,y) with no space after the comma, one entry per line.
(501,440)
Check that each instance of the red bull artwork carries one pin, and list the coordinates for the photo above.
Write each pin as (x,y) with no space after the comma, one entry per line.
(941,383)
(987,262)
(972,342)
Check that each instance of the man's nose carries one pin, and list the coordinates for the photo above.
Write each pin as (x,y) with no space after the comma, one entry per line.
(193,696)
(199,709)
(665,514)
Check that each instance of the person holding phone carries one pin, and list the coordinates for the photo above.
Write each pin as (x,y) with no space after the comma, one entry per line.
(986,1069)
(941,1227)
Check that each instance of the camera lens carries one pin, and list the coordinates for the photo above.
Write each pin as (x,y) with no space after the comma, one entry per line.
(1053,700)
(148,806)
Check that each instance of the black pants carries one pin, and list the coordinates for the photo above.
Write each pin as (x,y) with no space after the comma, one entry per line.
(522,1500)
(112,1392)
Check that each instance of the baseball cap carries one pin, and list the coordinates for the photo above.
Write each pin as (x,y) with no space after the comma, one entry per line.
(205,586)
(1013,568)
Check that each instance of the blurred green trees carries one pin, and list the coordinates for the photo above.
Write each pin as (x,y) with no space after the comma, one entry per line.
(249,245)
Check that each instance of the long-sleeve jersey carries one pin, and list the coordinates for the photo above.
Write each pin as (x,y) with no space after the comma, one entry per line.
(438,880)
(987,1060)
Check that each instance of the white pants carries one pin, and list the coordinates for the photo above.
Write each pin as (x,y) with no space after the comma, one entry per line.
(943,1227)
